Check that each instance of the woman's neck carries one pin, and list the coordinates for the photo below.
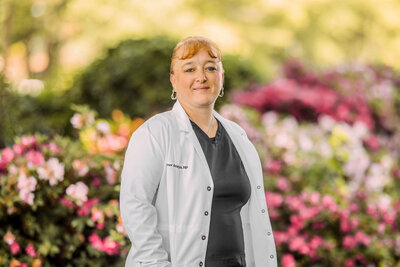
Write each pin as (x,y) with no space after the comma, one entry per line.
(203,117)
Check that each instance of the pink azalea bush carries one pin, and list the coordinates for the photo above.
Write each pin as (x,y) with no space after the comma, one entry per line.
(331,164)
(60,197)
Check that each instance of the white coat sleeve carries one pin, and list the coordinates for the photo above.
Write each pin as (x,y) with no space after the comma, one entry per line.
(140,177)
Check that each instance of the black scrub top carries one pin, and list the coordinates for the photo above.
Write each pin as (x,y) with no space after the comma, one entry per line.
(232,190)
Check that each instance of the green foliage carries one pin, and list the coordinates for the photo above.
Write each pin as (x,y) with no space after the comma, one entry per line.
(134,77)
(25,114)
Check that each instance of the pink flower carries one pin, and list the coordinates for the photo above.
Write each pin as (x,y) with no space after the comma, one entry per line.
(297,221)
(30,250)
(296,243)
(288,260)
(53,147)
(7,155)
(28,141)
(18,149)
(316,242)
(111,175)
(78,192)
(282,184)
(96,182)
(96,241)
(280,237)
(309,212)
(354,207)
(116,142)
(349,242)
(381,228)
(80,167)
(66,202)
(110,247)
(372,210)
(362,238)
(34,158)
(107,245)
(305,249)
(273,199)
(101,225)
(14,247)
(372,142)
(96,215)
(318,225)
(273,166)
(84,210)
(350,263)
(314,198)
(329,203)
(294,203)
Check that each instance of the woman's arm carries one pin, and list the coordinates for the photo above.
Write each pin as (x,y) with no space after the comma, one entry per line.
(140,177)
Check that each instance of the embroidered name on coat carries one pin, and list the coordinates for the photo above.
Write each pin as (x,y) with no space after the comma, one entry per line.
(177,166)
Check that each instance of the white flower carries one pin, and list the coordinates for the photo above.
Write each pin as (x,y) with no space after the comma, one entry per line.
(269,118)
(324,148)
(26,186)
(77,121)
(326,122)
(103,127)
(305,141)
(80,167)
(53,171)
(376,178)
(78,192)
(358,163)
(360,130)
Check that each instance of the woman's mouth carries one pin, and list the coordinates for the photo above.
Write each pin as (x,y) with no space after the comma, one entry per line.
(202,88)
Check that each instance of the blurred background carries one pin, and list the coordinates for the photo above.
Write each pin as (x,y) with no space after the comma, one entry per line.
(315,84)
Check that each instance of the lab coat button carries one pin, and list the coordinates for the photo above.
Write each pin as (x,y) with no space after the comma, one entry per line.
(203,237)
(201,263)
(258,187)
(271,256)
(263,210)
(209,188)
(206,213)
(269,233)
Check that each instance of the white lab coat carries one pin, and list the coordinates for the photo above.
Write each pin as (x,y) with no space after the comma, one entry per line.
(166,227)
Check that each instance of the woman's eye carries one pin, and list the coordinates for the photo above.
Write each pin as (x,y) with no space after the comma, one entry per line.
(189,70)
(211,68)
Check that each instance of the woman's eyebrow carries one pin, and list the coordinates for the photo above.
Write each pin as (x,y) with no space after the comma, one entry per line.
(190,62)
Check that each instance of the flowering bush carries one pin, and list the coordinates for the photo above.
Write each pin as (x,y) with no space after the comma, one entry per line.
(59,198)
(333,176)
(333,181)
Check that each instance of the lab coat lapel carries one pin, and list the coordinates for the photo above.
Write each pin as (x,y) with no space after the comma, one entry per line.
(186,127)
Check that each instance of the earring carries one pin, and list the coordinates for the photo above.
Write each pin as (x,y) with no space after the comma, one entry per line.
(221,93)
(173,97)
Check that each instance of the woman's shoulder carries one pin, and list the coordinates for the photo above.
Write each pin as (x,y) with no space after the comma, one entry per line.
(158,125)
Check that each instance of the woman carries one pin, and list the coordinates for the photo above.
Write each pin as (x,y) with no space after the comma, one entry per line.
(192,185)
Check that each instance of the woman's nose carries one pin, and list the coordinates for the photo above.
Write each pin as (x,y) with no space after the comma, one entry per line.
(202,76)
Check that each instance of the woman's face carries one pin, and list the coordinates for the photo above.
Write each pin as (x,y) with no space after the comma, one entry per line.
(197,80)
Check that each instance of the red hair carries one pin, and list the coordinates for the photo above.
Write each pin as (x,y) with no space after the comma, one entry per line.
(191,45)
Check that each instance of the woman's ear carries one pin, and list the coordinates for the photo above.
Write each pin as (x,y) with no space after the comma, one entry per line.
(172,79)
